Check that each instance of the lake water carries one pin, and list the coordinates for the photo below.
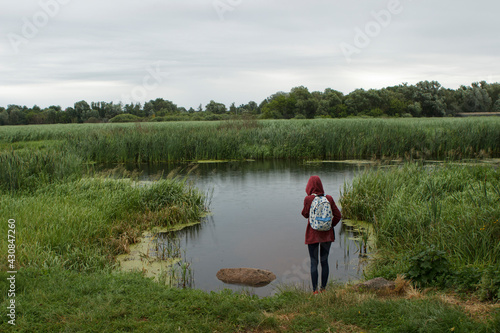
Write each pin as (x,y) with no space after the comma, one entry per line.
(256,222)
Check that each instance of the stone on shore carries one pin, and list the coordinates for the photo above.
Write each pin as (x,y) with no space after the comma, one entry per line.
(252,277)
(377,284)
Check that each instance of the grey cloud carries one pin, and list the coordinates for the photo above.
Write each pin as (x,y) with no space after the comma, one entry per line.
(253,50)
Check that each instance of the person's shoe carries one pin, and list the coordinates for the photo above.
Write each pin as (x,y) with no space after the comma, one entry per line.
(315,292)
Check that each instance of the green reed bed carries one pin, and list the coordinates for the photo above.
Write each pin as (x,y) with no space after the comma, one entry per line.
(439,138)
(13,134)
(418,212)
(83,224)
(301,139)
(27,169)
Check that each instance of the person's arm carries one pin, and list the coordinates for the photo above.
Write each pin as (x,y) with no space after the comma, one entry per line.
(336,212)
(307,206)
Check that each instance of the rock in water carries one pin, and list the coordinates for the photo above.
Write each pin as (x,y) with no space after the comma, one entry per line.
(252,277)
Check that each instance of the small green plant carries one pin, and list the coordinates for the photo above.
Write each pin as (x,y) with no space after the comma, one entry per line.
(428,266)
(489,286)
(465,278)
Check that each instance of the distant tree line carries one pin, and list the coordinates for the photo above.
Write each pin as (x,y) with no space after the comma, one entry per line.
(424,99)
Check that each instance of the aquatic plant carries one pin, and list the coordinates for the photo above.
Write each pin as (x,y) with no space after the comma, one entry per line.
(453,207)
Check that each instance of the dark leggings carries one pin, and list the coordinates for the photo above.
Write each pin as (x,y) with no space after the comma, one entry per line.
(324,250)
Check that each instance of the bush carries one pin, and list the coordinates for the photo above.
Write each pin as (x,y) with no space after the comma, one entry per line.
(124,118)
(489,286)
(428,267)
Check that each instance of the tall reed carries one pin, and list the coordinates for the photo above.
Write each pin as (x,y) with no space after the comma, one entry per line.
(439,138)
(454,207)
(29,169)
(301,139)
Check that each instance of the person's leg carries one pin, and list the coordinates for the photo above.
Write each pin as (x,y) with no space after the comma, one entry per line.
(325,269)
(313,255)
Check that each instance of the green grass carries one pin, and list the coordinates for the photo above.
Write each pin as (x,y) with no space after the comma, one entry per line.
(444,138)
(27,169)
(81,225)
(455,208)
(63,300)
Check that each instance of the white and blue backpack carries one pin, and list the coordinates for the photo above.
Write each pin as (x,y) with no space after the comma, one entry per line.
(320,214)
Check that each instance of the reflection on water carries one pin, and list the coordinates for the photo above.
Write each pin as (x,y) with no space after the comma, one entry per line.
(256,222)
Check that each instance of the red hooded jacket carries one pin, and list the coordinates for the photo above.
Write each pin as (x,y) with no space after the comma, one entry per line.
(315,186)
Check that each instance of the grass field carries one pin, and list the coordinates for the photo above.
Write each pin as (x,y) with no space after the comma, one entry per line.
(67,301)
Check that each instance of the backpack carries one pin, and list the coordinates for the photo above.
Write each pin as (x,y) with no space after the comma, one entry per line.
(320,214)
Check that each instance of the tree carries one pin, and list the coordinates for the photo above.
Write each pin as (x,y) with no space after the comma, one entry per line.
(71,115)
(83,112)
(159,107)
(112,110)
(496,106)
(305,103)
(216,108)
(51,114)
(357,102)
(493,90)
(149,109)
(279,105)
(16,116)
(476,99)
(134,109)
(99,108)
(334,103)
(449,96)
(307,108)
(323,108)
(251,107)
(233,109)
(4,117)
(397,107)
(428,95)
(34,115)
(415,109)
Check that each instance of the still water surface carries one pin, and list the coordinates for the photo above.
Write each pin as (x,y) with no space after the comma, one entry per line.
(256,222)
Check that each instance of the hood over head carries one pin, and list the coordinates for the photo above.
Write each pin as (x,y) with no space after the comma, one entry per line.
(314,185)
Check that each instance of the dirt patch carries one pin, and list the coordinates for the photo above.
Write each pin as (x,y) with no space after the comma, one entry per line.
(478,310)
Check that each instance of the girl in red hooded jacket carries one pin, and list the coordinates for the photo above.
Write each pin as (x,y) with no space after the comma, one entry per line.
(319,241)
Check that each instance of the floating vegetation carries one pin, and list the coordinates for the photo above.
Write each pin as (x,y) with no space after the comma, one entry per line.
(362,234)
(158,255)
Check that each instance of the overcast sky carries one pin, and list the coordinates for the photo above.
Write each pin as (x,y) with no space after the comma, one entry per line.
(58,52)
